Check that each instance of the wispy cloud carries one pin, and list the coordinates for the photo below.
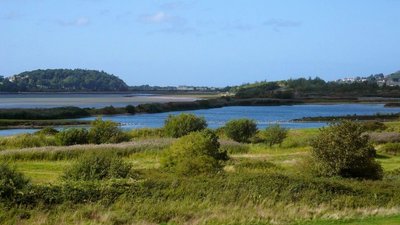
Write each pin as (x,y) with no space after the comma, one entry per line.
(11,16)
(237,26)
(79,22)
(170,24)
(176,5)
(277,24)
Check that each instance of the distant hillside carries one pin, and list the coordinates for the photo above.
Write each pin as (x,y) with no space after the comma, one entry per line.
(311,88)
(53,80)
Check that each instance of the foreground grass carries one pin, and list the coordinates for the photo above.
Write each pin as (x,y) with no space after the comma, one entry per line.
(260,185)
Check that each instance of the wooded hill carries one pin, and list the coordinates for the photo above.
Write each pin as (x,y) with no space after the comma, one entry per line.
(315,88)
(62,80)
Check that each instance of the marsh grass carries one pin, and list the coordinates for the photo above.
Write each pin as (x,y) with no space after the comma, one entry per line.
(259,185)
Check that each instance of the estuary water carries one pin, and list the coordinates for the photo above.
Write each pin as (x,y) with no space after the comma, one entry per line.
(263,115)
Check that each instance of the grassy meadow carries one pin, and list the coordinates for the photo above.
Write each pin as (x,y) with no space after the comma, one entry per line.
(259,184)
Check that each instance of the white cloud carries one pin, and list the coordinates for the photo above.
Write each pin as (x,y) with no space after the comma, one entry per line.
(280,23)
(159,17)
(79,22)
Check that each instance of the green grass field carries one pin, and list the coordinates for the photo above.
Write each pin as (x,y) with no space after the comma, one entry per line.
(239,196)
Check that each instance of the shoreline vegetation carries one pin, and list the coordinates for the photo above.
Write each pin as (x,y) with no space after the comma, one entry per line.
(63,116)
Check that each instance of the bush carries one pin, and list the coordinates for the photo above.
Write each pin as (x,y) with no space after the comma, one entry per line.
(182,124)
(106,132)
(97,167)
(391,148)
(11,183)
(274,135)
(72,136)
(240,130)
(47,131)
(196,153)
(342,150)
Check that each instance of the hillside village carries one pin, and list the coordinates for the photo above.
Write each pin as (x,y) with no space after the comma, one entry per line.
(380,79)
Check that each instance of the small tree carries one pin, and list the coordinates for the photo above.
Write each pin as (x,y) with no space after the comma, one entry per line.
(195,153)
(106,132)
(342,150)
(274,134)
(240,130)
(72,136)
(183,124)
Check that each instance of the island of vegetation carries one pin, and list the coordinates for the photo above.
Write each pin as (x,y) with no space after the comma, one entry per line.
(62,80)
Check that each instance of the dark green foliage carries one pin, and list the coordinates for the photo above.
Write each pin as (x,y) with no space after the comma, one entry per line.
(240,130)
(130,109)
(47,131)
(98,167)
(391,148)
(108,110)
(37,114)
(258,90)
(63,80)
(73,136)
(11,183)
(274,134)
(194,154)
(183,124)
(106,132)
(373,126)
(342,150)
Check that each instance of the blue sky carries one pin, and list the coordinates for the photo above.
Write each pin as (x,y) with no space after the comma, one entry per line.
(202,42)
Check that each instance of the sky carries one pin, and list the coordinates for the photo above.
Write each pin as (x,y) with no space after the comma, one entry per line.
(202,42)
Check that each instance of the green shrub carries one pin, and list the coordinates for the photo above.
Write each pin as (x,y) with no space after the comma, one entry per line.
(342,150)
(391,148)
(182,124)
(195,153)
(274,135)
(47,131)
(106,132)
(97,167)
(240,130)
(72,136)
(11,183)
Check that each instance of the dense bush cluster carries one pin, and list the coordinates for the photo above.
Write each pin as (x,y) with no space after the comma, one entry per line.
(182,124)
(342,150)
(106,132)
(98,167)
(195,153)
(240,130)
(72,136)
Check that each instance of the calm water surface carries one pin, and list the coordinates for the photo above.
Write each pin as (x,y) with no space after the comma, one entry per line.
(263,115)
